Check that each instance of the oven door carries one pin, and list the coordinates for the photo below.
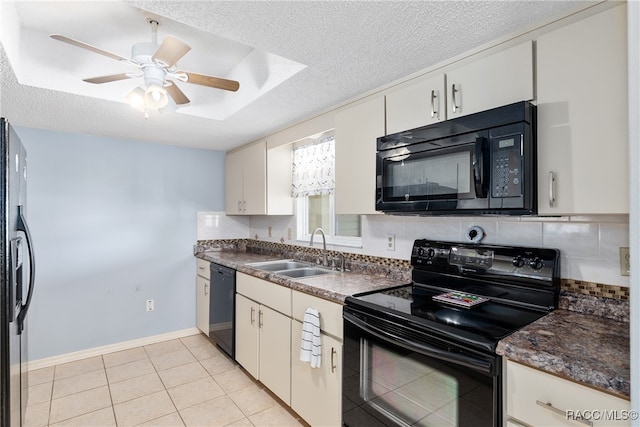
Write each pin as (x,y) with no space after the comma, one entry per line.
(438,176)
(394,375)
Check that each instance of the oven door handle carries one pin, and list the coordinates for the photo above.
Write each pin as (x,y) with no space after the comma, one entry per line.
(428,350)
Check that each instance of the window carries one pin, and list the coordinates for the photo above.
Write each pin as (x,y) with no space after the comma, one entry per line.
(314,188)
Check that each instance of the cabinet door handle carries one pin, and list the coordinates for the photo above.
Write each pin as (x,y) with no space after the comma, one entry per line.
(555,410)
(253,320)
(240,206)
(333,364)
(206,289)
(260,319)
(434,96)
(454,105)
(552,189)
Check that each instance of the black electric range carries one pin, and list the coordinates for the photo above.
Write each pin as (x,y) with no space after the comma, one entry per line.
(411,358)
(518,285)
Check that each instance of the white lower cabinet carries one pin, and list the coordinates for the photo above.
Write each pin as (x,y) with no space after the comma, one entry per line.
(247,337)
(316,393)
(268,337)
(275,353)
(263,333)
(203,287)
(534,398)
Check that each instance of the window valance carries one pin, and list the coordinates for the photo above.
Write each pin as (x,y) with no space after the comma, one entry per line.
(314,168)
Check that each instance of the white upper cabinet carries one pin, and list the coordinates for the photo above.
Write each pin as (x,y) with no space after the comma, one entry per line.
(258,181)
(357,128)
(582,117)
(279,175)
(499,79)
(415,105)
(234,182)
(246,180)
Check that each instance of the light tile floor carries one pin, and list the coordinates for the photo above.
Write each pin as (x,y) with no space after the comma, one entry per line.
(182,382)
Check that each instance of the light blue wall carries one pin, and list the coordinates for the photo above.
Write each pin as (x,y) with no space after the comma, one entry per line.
(114,224)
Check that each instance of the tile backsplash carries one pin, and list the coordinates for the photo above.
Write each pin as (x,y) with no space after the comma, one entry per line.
(218,226)
(589,246)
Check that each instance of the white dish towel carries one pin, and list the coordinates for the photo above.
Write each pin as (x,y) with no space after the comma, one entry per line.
(311,347)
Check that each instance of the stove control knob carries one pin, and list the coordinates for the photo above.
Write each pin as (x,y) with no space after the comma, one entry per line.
(535,263)
(517,261)
(431,253)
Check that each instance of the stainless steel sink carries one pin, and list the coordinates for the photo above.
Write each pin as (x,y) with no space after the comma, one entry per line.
(290,268)
(304,272)
(281,264)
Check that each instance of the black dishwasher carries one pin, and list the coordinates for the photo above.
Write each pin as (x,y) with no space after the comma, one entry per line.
(222,304)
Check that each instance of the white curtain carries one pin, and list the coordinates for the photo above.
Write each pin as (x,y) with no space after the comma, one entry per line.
(314,168)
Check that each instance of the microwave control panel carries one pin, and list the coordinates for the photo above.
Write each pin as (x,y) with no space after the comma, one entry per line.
(506,166)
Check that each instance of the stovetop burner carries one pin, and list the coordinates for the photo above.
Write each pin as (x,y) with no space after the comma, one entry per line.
(520,285)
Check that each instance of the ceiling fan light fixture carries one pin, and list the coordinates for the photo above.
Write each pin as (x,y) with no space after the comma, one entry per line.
(156,96)
(136,98)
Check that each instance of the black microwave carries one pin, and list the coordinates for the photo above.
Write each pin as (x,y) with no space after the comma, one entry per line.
(480,164)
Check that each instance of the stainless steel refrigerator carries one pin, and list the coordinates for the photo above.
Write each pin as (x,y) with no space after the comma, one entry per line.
(18,273)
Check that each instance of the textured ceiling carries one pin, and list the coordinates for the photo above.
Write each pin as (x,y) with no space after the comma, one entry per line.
(348,48)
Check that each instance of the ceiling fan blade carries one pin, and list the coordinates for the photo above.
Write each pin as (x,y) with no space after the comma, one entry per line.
(216,82)
(178,96)
(170,51)
(86,46)
(107,79)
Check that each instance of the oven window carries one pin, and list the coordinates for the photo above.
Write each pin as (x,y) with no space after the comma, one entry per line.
(401,388)
(428,176)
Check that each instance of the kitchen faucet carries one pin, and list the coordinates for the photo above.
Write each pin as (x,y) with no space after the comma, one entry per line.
(324,245)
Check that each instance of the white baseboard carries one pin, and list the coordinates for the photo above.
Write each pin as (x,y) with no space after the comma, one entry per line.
(111,348)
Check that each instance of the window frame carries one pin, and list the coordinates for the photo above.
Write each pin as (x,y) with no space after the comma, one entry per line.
(302,220)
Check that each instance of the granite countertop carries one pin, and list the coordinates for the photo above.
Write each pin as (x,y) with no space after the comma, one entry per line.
(334,287)
(587,349)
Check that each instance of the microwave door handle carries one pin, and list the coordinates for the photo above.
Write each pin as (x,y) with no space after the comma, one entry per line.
(481,167)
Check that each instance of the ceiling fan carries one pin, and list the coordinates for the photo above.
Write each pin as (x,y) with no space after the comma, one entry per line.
(157,65)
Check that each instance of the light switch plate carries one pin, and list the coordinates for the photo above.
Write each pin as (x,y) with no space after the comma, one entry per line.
(625,261)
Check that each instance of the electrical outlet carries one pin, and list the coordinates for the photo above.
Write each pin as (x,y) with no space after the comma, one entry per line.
(270,234)
(625,261)
(289,233)
(149,305)
(391,242)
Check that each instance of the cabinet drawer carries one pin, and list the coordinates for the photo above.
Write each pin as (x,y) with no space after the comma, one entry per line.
(330,312)
(203,268)
(275,296)
(541,399)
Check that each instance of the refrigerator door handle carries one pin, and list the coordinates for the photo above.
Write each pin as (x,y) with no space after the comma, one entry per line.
(22,226)
(12,283)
